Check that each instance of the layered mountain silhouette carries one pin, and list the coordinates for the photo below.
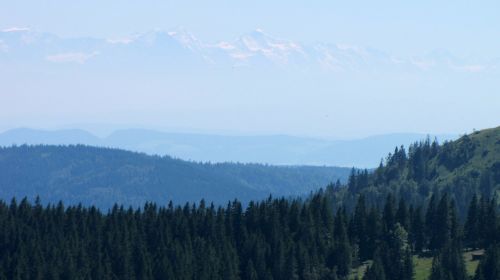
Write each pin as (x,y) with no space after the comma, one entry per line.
(269,149)
(102,177)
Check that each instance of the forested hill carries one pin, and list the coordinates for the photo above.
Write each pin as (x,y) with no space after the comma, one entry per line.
(403,225)
(461,168)
(102,177)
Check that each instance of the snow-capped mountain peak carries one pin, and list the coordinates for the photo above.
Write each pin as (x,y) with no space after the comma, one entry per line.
(16,29)
(253,49)
(186,38)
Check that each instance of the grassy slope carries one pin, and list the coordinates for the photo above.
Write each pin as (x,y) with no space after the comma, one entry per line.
(423,267)
(359,272)
(486,154)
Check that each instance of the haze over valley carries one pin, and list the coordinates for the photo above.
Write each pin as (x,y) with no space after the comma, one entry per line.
(263,149)
(250,140)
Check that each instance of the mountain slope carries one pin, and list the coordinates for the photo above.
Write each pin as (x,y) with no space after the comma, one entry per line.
(463,168)
(103,177)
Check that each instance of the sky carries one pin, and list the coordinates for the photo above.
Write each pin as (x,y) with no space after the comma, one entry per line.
(261,99)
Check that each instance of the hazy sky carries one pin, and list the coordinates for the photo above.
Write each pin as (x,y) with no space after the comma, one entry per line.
(270,101)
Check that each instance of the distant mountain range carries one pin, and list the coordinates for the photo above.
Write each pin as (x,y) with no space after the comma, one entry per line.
(255,49)
(103,177)
(278,149)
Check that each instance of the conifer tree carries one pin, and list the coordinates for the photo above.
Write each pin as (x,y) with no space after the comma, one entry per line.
(417,232)
(388,218)
(360,233)
(250,272)
(342,248)
(376,270)
(430,220)
(448,264)
(402,215)
(489,267)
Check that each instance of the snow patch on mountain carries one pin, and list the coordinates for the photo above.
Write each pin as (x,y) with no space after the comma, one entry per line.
(15,29)
(255,49)
(78,57)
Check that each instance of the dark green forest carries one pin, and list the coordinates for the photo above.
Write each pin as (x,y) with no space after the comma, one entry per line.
(101,177)
(430,201)
(272,239)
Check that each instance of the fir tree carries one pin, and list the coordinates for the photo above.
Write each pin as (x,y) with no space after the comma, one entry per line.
(471,228)
(489,267)
(376,270)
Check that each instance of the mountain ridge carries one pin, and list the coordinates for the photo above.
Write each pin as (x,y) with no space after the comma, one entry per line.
(250,49)
(271,149)
(103,176)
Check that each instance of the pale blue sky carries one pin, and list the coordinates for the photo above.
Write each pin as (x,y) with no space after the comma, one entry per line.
(463,96)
